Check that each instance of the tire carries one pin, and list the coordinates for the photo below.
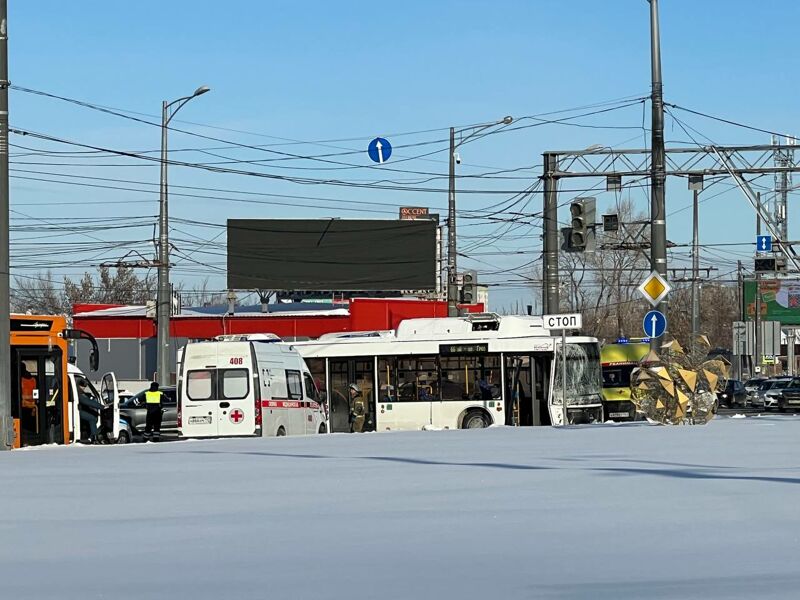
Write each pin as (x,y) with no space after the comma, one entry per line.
(124,438)
(323,428)
(474,419)
(281,431)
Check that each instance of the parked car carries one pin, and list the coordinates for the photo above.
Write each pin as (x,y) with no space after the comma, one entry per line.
(789,398)
(766,395)
(752,384)
(734,394)
(134,411)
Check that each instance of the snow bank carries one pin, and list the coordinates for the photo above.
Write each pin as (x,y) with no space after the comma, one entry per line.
(625,512)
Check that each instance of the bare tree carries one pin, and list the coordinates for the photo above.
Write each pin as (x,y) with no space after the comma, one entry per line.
(37,294)
(121,286)
(201,295)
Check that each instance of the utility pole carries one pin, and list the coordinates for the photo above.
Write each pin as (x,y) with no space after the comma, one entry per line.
(452,272)
(740,305)
(658,173)
(695,271)
(550,283)
(164,293)
(783,157)
(6,424)
(757,341)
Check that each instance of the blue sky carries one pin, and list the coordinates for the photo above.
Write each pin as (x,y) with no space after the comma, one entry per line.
(310,71)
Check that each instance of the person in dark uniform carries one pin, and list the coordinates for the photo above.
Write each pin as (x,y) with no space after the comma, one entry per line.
(152,427)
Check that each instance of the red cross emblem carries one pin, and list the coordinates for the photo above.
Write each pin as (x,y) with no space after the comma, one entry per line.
(236,416)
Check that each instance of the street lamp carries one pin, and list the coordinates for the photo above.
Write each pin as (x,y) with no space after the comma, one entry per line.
(164,294)
(452,271)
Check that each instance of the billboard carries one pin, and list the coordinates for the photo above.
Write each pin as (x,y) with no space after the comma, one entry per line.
(331,254)
(780,300)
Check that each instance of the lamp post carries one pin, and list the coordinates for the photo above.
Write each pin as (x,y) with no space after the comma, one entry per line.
(452,270)
(164,294)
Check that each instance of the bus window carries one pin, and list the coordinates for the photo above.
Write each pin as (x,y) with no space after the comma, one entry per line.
(387,384)
(417,379)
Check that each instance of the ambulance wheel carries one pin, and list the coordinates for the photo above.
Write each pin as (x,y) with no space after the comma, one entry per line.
(124,437)
(323,428)
(474,420)
(281,431)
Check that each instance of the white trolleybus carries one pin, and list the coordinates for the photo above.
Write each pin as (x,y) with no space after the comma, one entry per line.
(241,385)
(451,373)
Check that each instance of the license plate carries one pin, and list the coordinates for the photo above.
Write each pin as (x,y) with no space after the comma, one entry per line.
(618,414)
(200,420)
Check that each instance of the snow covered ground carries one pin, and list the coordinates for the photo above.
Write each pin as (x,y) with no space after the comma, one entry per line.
(612,511)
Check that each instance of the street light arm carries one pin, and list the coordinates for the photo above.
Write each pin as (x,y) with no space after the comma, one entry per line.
(171,113)
(478,128)
(182,101)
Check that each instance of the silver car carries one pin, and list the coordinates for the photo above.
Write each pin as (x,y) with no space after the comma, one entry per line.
(766,395)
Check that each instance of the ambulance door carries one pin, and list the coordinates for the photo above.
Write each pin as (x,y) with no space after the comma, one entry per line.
(296,413)
(109,395)
(198,403)
(236,413)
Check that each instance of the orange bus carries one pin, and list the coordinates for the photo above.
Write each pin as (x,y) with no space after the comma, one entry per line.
(41,401)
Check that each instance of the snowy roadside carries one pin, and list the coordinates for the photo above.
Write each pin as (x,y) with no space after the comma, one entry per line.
(627,511)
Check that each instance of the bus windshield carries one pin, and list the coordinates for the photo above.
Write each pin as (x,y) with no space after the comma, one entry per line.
(584,380)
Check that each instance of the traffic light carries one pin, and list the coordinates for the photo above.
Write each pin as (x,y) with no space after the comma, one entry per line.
(582,230)
(611,222)
(763,265)
(469,287)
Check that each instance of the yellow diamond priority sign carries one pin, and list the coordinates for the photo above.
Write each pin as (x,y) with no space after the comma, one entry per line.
(655,288)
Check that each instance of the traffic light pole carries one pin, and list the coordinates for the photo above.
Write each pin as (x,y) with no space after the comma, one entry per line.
(757,317)
(550,295)
(452,270)
(6,423)
(658,175)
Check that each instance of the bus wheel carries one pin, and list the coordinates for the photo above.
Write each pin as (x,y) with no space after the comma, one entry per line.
(323,428)
(474,420)
(281,431)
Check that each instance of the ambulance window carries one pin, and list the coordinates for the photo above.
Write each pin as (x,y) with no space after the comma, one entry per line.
(235,384)
(199,385)
(294,384)
(311,390)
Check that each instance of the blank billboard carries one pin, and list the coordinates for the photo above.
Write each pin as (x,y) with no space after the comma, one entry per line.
(331,254)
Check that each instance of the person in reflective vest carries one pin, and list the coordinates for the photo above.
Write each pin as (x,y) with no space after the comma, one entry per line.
(152,427)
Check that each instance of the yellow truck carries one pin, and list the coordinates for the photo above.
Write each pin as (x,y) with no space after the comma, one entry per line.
(617,361)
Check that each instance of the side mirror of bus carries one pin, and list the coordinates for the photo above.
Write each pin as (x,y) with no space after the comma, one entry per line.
(94,360)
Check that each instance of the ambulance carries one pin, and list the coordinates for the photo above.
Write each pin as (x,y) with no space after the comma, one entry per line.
(246,385)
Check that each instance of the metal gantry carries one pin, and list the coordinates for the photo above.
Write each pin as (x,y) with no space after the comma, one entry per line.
(736,162)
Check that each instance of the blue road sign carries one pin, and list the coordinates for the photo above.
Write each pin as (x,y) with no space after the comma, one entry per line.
(654,324)
(379,150)
(764,243)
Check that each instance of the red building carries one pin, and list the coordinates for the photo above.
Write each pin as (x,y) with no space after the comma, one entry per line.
(127,335)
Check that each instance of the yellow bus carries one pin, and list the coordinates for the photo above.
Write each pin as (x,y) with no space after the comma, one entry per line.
(42,404)
(617,361)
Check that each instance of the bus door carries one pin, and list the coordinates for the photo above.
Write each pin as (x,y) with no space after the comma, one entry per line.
(352,394)
(109,395)
(37,401)
(527,382)
(408,392)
